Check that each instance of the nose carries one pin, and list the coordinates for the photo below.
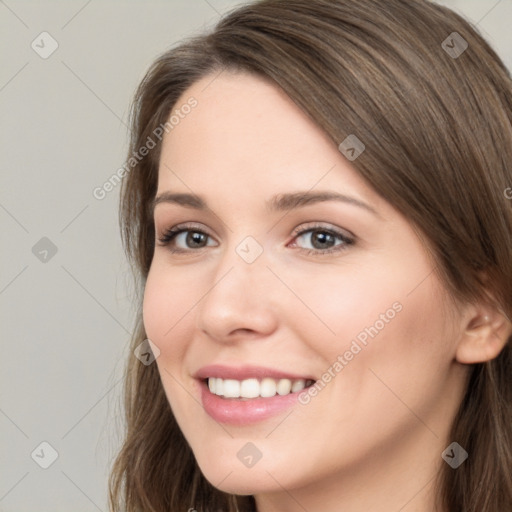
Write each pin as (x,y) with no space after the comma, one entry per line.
(241,300)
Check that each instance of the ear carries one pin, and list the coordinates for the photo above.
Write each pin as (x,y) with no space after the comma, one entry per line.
(485,333)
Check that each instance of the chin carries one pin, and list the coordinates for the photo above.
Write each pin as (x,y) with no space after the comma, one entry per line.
(242,484)
(235,478)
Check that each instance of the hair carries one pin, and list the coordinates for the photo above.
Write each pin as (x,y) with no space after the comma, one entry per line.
(437,130)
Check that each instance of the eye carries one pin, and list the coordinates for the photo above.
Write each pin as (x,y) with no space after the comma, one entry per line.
(321,240)
(316,239)
(182,238)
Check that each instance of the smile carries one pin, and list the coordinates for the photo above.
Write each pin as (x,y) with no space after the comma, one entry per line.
(245,394)
(253,388)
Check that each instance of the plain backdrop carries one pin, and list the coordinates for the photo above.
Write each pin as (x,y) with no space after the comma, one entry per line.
(65,288)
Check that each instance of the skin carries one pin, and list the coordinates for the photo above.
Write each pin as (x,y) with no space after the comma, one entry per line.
(373,436)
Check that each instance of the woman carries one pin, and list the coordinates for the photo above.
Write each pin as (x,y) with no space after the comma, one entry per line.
(317,213)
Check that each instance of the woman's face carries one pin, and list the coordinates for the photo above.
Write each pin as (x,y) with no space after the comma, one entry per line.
(266,286)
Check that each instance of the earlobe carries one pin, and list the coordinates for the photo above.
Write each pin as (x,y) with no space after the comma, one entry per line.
(484,337)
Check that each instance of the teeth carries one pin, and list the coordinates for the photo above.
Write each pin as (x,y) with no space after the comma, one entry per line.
(298,385)
(284,386)
(250,388)
(253,388)
(231,388)
(219,386)
(268,388)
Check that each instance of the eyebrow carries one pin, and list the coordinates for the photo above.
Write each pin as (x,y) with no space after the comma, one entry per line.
(280,202)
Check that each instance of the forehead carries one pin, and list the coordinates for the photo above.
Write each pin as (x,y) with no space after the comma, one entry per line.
(245,131)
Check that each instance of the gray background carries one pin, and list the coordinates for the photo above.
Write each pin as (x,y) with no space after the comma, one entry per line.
(66,320)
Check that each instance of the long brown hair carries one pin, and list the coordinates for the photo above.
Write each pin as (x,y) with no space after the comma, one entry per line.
(436,119)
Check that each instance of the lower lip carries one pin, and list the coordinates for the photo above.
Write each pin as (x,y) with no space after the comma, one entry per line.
(244,412)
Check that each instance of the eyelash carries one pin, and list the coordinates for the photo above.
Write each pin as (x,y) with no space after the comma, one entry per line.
(169,235)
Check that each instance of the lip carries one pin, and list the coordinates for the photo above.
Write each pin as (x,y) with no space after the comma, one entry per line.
(241,412)
(246,372)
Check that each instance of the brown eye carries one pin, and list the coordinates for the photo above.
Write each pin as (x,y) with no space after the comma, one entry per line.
(195,239)
(180,239)
(320,240)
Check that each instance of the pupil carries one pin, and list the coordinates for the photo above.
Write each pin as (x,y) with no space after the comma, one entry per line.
(322,238)
(195,238)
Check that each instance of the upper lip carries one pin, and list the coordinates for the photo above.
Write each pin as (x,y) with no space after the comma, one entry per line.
(243,372)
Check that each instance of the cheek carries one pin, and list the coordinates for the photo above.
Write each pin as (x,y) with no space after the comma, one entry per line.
(167,311)
(156,310)
(168,299)
(335,306)
(405,360)
(376,324)
(164,312)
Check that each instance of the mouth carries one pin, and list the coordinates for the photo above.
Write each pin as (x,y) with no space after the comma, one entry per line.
(245,395)
(252,388)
